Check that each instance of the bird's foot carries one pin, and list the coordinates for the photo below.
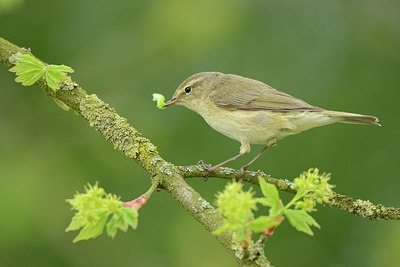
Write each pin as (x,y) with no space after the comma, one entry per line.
(241,171)
(207,167)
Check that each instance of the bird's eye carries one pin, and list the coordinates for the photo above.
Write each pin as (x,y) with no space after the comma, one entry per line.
(188,89)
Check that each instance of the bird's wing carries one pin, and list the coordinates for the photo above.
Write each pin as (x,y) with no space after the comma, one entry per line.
(249,94)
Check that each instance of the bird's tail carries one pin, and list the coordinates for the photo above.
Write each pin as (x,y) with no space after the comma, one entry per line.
(353,118)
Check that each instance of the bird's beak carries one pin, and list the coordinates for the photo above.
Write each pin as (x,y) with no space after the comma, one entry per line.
(171,102)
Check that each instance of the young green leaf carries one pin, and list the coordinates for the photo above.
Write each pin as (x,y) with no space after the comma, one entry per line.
(30,69)
(271,196)
(301,220)
(262,223)
(160,99)
(90,231)
(269,190)
(56,74)
(132,216)
(222,229)
(27,68)
(77,222)
(122,219)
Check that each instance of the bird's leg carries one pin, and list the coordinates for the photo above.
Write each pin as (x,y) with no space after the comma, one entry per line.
(210,169)
(244,149)
(245,167)
(213,168)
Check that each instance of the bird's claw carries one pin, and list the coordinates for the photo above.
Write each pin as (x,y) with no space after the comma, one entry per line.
(241,171)
(206,167)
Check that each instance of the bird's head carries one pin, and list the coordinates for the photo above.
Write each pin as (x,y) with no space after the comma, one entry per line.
(194,89)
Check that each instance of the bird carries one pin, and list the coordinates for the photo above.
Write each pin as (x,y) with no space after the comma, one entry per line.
(252,112)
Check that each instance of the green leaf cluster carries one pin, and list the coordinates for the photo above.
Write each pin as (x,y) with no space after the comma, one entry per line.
(96,210)
(272,201)
(314,188)
(29,70)
(237,206)
(311,188)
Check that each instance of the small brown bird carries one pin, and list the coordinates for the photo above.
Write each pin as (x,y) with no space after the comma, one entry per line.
(253,112)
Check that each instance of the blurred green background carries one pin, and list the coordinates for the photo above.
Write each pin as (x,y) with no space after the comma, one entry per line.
(341,55)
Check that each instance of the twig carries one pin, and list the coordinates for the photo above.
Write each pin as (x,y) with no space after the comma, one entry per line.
(142,200)
(362,208)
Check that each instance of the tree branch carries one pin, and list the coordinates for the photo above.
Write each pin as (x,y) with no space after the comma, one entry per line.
(359,207)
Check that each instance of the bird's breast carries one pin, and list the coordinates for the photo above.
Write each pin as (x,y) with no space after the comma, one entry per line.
(261,127)
(258,127)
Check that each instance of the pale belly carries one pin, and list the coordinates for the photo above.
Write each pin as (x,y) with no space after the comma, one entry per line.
(263,127)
